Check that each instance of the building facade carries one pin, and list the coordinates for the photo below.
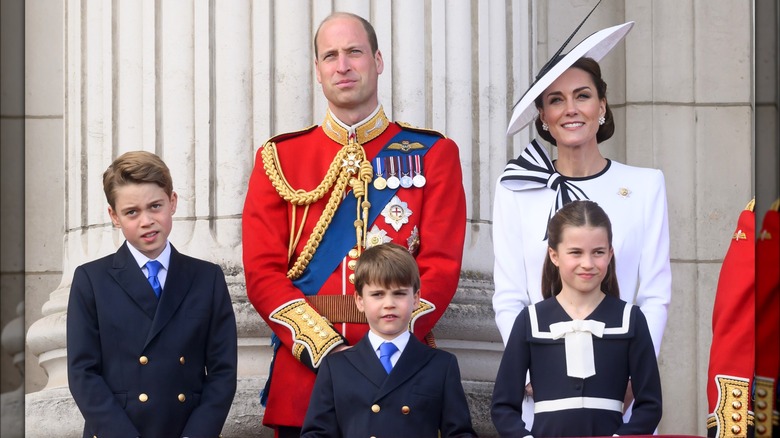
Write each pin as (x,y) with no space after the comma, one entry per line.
(205,83)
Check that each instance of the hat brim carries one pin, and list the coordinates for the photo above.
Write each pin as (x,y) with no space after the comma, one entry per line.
(595,46)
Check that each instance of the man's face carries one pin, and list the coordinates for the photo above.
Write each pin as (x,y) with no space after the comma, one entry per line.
(347,69)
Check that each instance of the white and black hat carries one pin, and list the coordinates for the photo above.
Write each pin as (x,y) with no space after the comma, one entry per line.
(595,46)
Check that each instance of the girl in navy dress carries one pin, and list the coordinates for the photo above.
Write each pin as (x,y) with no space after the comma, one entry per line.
(581,344)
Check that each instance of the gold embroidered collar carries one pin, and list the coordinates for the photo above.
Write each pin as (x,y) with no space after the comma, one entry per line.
(365,131)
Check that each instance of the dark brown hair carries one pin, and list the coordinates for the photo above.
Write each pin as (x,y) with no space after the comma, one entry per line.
(588,65)
(576,214)
(370,32)
(136,167)
(388,265)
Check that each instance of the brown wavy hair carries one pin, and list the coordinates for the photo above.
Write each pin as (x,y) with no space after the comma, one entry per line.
(576,214)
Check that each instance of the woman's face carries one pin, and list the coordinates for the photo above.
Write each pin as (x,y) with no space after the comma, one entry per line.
(571,108)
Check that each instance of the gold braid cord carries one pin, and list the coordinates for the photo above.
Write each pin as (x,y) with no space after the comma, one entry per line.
(731,417)
(349,166)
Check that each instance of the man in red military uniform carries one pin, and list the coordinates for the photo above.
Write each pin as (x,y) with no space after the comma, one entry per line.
(732,353)
(318,197)
(767,323)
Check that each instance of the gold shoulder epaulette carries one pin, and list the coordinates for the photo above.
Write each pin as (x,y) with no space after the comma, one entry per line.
(409,127)
(751,205)
(775,205)
(284,136)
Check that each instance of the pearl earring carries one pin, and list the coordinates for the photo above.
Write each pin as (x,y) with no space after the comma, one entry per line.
(545,127)
(602,120)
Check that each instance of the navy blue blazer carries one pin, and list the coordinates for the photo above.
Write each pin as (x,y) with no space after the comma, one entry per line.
(139,366)
(422,395)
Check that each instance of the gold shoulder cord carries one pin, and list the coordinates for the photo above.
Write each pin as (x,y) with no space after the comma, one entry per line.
(348,166)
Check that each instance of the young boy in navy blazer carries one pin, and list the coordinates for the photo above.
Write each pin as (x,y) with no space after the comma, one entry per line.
(151,333)
(389,384)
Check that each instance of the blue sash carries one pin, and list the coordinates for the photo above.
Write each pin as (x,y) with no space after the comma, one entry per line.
(339,238)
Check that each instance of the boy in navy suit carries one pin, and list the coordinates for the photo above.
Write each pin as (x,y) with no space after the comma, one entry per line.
(389,383)
(151,333)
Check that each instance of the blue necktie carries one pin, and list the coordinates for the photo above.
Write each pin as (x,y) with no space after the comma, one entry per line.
(153,266)
(386,350)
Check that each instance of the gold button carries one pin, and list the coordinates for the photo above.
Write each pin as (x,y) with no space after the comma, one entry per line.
(351,264)
(736,417)
(317,329)
(143,360)
(143,398)
(761,392)
(182,398)
(735,429)
(311,323)
(405,410)
(181,360)
(761,416)
(305,316)
(761,404)
(299,310)
(323,335)
(375,408)
(352,278)
(761,429)
(736,393)
(353,253)
(736,405)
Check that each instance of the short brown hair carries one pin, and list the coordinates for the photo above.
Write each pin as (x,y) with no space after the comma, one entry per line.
(591,67)
(387,265)
(370,32)
(136,167)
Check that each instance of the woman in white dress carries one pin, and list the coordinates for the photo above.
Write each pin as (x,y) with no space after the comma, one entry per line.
(574,115)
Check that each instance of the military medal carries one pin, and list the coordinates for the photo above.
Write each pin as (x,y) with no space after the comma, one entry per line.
(406,179)
(379,182)
(419,179)
(376,237)
(392,182)
(396,213)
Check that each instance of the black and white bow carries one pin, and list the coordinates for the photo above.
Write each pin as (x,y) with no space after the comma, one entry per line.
(534,169)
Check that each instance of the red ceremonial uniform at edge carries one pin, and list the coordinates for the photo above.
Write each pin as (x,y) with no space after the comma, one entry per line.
(437,210)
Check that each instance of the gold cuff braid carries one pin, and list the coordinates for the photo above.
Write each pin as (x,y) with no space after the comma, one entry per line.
(731,416)
(311,332)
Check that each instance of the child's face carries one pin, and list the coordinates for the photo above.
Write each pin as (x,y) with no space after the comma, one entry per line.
(582,257)
(145,214)
(388,310)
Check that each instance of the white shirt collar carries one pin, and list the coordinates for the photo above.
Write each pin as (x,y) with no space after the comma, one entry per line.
(400,341)
(164,258)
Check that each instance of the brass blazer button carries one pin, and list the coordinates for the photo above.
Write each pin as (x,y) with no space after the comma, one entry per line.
(405,410)
(143,398)
(181,360)
(182,398)
(375,408)
(143,360)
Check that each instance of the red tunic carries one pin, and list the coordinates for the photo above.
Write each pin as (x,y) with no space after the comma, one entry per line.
(732,357)
(767,320)
(438,219)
